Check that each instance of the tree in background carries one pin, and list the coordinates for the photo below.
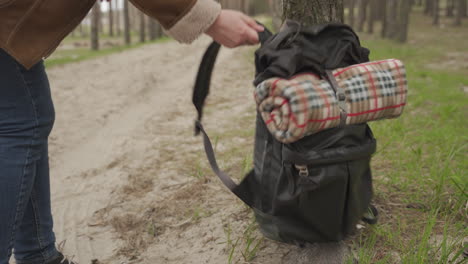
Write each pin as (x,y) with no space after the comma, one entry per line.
(126,17)
(403,21)
(460,12)
(372,16)
(117,19)
(111,19)
(362,14)
(392,18)
(351,6)
(449,6)
(435,12)
(95,21)
(142,29)
(154,29)
(384,19)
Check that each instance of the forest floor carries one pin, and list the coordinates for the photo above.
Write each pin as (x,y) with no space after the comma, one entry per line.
(131,183)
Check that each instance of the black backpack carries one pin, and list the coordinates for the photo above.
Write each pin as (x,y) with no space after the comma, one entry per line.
(315,189)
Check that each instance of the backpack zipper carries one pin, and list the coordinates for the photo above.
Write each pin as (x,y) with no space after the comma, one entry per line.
(303,170)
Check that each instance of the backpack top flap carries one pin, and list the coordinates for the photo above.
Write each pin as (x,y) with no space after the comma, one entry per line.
(296,49)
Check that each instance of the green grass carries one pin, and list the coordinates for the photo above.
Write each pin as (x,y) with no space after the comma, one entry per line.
(65,56)
(420,168)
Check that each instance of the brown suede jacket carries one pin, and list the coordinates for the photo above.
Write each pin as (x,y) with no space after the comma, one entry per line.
(31,29)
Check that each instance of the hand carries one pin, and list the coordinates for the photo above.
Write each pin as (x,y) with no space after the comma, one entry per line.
(233,29)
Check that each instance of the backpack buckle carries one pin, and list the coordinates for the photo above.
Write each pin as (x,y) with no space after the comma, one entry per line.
(303,170)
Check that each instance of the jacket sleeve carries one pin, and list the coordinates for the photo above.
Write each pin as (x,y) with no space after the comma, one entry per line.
(184,20)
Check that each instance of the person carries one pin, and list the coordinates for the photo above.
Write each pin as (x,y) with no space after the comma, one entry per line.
(29,31)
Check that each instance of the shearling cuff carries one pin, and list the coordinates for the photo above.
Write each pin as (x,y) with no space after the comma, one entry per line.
(196,21)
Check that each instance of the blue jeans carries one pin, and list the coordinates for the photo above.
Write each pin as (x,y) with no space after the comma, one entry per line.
(26,119)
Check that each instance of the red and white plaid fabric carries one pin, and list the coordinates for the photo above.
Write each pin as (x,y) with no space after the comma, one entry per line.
(307,104)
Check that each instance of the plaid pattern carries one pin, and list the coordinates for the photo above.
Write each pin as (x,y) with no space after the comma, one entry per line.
(307,104)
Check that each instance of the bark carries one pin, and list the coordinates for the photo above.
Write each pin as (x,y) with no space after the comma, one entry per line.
(362,14)
(100,23)
(352,4)
(126,17)
(118,14)
(80,29)
(463,7)
(435,13)
(310,12)
(96,11)
(154,29)
(111,19)
(384,29)
(142,27)
(392,20)
(459,13)
(372,15)
(450,5)
(404,15)
(429,7)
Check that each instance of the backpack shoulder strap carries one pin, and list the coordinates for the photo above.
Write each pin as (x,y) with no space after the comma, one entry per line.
(200,92)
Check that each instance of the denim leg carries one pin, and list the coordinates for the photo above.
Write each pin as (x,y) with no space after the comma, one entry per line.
(35,241)
(26,119)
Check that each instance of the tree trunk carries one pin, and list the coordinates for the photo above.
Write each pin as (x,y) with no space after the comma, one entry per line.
(352,4)
(459,13)
(96,11)
(80,29)
(384,30)
(362,14)
(142,28)
(118,14)
(404,14)
(392,20)
(311,12)
(429,7)
(372,15)
(450,4)
(462,8)
(111,19)
(275,9)
(154,29)
(100,23)
(126,17)
(435,13)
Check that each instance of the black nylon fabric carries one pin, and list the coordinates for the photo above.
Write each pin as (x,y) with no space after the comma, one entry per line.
(297,49)
(327,204)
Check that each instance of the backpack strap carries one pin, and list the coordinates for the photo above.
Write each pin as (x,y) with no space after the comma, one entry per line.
(203,80)
(340,96)
(200,92)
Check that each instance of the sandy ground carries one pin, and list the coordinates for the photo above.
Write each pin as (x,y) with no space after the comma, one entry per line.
(130,181)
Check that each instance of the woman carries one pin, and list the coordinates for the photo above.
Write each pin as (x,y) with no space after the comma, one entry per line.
(29,31)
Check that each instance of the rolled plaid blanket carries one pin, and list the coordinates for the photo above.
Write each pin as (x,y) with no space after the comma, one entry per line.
(306,104)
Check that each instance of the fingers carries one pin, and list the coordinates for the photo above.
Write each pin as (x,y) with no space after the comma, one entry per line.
(233,29)
(251,37)
(252,23)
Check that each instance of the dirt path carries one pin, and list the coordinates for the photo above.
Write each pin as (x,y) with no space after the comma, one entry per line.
(130,182)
